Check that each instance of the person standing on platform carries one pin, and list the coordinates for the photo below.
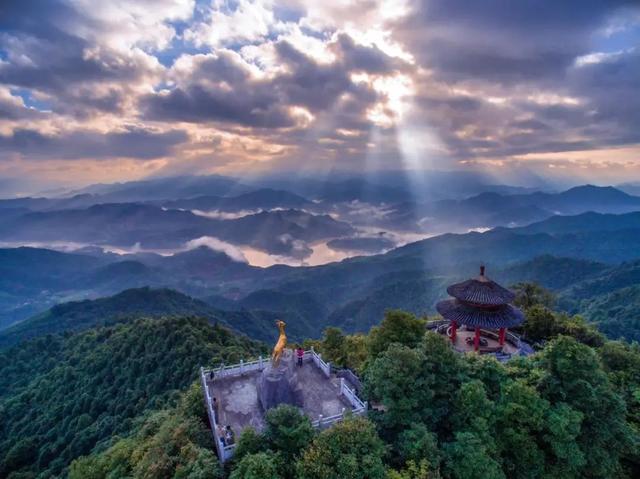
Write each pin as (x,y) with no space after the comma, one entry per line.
(300,354)
(229,436)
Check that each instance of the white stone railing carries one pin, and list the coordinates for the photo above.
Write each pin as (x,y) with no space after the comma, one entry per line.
(323,422)
(259,364)
(356,404)
(317,359)
(224,452)
(237,369)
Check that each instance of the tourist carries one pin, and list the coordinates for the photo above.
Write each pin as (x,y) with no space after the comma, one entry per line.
(221,435)
(229,436)
(211,375)
(300,353)
(215,406)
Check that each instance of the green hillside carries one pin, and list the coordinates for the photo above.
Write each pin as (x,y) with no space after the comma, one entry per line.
(616,314)
(550,271)
(571,411)
(151,303)
(81,315)
(63,396)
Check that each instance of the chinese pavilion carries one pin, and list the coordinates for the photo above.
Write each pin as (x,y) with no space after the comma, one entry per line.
(480,304)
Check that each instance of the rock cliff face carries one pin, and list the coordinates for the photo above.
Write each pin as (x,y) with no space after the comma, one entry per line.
(280,385)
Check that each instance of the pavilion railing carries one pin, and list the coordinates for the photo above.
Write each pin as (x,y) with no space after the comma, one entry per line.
(436,324)
(443,326)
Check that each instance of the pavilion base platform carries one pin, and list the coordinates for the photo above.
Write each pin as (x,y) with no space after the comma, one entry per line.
(463,341)
(489,343)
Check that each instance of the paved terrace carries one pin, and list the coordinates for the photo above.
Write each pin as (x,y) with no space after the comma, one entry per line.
(325,396)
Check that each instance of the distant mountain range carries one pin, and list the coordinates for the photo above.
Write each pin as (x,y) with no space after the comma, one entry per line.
(493,209)
(262,199)
(351,215)
(353,293)
(129,224)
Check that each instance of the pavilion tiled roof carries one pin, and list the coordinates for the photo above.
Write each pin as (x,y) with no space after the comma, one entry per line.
(481,291)
(503,316)
(480,303)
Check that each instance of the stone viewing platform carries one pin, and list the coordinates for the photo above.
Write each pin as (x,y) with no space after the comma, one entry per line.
(317,391)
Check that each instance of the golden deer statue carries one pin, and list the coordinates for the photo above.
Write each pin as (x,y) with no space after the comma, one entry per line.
(280,345)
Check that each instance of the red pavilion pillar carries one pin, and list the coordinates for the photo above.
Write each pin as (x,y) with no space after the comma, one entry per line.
(454,330)
(502,335)
(476,340)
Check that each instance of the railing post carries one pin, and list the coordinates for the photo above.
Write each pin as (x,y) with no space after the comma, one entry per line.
(342,386)
(343,410)
(260,361)
(320,421)
(241,367)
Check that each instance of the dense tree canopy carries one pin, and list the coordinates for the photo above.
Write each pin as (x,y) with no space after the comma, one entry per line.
(173,443)
(351,449)
(557,414)
(572,410)
(60,396)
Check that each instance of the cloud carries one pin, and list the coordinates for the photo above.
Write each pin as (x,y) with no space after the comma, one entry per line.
(259,85)
(215,244)
(13,108)
(500,40)
(224,215)
(224,87)
(130,143)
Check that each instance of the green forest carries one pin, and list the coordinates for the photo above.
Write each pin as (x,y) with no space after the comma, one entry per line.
(63,396)
(123,402)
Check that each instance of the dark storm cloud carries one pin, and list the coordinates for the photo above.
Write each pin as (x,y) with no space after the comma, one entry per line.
(133,143)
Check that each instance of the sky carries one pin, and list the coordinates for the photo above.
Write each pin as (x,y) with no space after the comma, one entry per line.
(120,90)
